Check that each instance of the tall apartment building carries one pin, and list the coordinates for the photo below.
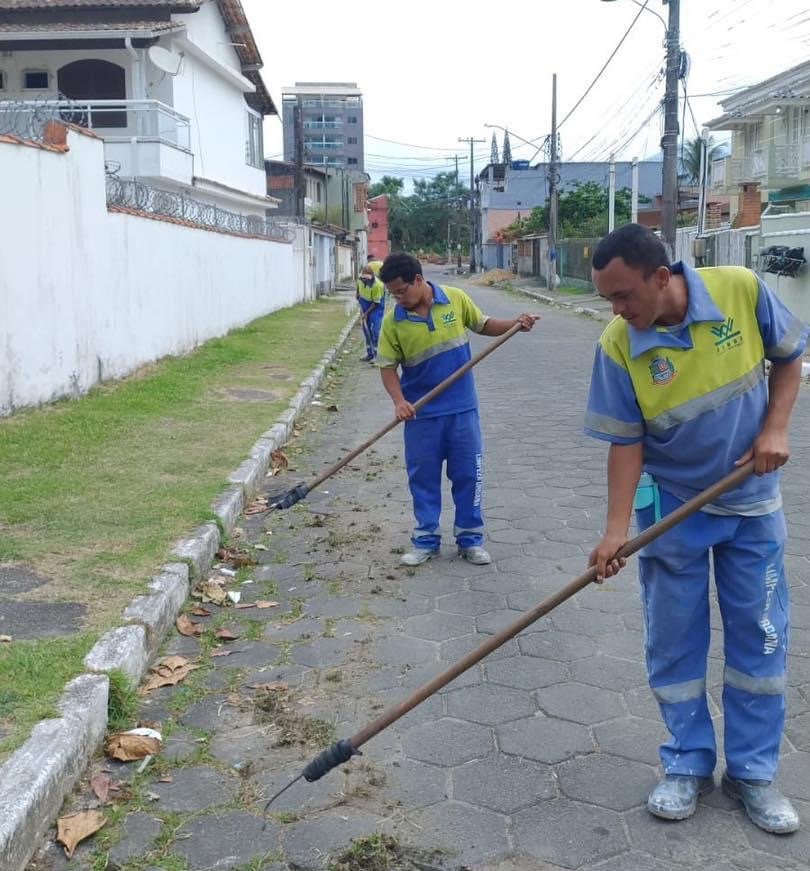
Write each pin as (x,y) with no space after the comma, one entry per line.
(331,121)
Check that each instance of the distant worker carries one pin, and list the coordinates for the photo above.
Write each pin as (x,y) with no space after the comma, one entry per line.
(375,264)
(371,296)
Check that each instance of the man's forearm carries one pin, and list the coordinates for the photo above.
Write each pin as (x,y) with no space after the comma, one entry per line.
(783,388)
(390,380)
(624,470)
(496,327)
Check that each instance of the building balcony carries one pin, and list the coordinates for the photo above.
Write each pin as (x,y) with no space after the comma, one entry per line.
(322,125)
(142,138)
(322,143)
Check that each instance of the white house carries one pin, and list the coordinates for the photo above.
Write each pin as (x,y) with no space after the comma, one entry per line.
(172,86)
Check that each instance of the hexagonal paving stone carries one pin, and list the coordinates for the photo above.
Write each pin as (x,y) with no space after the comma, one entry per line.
(607,781)
(196,788)
(798,730)
(794,775)
(447,742)
(399,649)
(632,738)
(501,583)
(470,835)
(544,739)
(430,709)
(494,621)
(212,713)
(642,703)
(471,603)
(580,703)
(569,833)
(311,842)
(525,672)
(139,833)
(525,600)
(488,704)
(562,646)
(412,784)
(323,652)
(709,837)
(591,623)
(623,644)
(438,626)
(610,673)
(635,861)
(503,783)
(453,650)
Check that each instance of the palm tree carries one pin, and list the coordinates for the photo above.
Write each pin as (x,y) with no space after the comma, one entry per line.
(690,157)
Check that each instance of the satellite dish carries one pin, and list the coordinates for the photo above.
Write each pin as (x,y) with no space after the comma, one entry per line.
(165,60)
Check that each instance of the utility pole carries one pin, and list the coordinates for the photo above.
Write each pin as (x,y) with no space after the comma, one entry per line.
(612,194)
(472,142)
(634,193)
(553,179)
(669,143)
(300,192)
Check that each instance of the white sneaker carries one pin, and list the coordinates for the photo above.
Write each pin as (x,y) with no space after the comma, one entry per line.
(417,556)
(475,555)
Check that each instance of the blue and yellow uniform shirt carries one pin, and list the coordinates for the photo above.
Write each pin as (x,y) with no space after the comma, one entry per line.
(373,293)
(429,349)
(696,394)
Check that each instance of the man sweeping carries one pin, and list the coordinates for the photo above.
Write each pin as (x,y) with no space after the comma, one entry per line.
(371,297)
(426,335)
(679,390)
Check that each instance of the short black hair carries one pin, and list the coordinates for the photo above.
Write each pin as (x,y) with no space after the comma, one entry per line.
(371,257)
(400,265)
(638,246)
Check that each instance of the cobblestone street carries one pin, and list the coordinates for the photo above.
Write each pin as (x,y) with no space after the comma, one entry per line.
(539,758)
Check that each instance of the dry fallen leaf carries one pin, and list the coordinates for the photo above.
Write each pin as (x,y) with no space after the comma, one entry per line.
(5,639)
(101,784)
(125,747)
(275,687)
(263,604)
(221,652)
(236,557)
(186,626)
(279,461)
(166,779)
(226,635)
(210,591)
(74,828)
(168,673)
(243,605)
(199,611)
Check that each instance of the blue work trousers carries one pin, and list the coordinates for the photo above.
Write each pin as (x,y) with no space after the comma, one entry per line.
(429,443)
(748,558)
(372,323)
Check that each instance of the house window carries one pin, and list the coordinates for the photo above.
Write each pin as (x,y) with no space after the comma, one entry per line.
(254,151)
(352,140)
(351,161)
(318,192)
(36,80)
(352,119)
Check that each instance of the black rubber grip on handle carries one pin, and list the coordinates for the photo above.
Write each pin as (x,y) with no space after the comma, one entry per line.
(333,756)
(292,497)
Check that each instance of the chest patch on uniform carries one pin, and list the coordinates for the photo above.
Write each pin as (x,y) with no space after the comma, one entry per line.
(449,318)
(662,370)
(726,337)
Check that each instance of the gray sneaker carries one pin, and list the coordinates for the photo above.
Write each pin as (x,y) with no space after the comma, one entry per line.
(417,556)
(676,796)
(765,805)
(475,555)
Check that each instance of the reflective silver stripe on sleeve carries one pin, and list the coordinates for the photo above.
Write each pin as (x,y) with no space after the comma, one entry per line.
(761,686)
(680,692)
(788,344)
(613,426)
(692,409)
(386,362)
(458,342)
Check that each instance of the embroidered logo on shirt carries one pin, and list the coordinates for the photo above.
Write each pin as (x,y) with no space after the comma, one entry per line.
(726,337)
(662,370)
(449,319)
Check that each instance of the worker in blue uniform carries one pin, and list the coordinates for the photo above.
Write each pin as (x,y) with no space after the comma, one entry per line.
(426,335)
(371,297)
(680,391)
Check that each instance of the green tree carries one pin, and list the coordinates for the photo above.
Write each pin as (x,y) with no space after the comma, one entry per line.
(388,184)
(690,157)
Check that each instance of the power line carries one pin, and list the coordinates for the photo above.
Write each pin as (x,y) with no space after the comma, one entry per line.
(605,65)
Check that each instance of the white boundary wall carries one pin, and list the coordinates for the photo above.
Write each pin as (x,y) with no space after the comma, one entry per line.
(87,295)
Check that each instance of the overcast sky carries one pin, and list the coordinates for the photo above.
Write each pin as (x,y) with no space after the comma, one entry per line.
(433,71)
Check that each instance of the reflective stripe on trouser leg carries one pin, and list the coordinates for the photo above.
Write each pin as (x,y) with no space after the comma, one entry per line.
(753,596)
(423,458)
(674,572)
(463,449)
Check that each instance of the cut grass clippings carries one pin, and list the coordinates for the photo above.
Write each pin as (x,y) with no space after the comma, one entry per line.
(96,490)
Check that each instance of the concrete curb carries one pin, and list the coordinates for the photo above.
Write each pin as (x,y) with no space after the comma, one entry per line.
(564,306)
(35,780)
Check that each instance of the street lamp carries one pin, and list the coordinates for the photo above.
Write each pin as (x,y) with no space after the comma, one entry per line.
(669,141)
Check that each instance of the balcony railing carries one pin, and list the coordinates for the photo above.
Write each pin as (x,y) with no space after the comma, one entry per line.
(322,125)
(753,167)
(322,143)
(113,120)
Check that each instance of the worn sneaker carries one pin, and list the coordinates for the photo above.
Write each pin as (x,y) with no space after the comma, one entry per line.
(676,796)
(475,555)
(417,556)
(765,805)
